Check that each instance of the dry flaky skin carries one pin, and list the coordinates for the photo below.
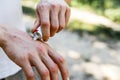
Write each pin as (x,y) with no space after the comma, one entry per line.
(26,52)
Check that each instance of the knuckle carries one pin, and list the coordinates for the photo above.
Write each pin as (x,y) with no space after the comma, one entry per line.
(54,69)
(23,58)
(42,6)
(63,7)
(55,6)
(33,55)
(45,73)
(38,6)
(31,75)
(54,28)
(68,9)
(41,49)
(45,24)
(61,60)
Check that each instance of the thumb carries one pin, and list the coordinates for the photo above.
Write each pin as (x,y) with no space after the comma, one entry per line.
(36,25)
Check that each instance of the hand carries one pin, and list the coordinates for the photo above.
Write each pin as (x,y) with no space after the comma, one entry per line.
(52,16)
(26,53)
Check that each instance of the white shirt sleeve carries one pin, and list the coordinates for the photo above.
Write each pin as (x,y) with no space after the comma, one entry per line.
(10,15)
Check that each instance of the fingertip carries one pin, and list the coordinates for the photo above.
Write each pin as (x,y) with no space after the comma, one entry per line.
(45,38)
(59,30)
(51,35)
(35,26)
(33,30)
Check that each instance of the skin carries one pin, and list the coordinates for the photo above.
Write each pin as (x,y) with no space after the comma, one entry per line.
(52,16)
(26,52)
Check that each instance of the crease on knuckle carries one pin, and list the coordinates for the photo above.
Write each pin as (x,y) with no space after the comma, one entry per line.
(45,24)
(45,73)
(41,49)
(54,69)
(61,60)
(55,6)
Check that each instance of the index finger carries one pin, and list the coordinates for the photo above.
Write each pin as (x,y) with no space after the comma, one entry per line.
(45,22)
(37,22)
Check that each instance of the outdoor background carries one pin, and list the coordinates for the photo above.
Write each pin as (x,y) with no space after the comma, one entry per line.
(91,41)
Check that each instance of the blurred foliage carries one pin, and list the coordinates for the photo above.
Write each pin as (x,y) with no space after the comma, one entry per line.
(100,31)
(77,25)
(108,8)
(113,14)
(28,11)
(29,6)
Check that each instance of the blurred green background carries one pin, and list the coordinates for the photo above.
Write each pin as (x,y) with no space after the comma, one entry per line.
(108,9)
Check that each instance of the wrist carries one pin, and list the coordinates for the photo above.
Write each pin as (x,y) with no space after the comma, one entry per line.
(2,36)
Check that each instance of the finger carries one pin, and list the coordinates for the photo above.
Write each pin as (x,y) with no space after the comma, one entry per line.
(45,22)
(28,70)
(41,68)
(53,68)
(61,64)
(67,15)
(62,18)
(37,22)
(54,20)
